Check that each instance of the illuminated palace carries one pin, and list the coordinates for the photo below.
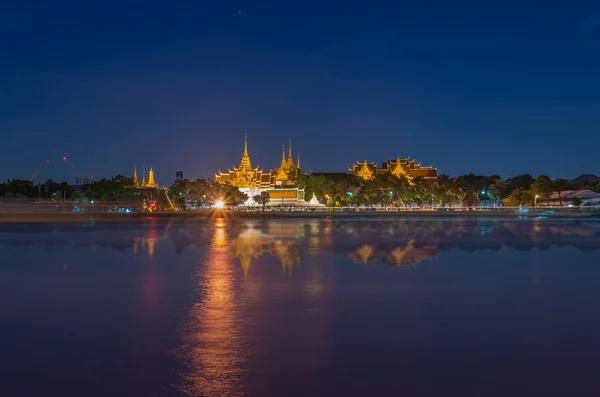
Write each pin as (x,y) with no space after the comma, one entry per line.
(399,167)
(280,184)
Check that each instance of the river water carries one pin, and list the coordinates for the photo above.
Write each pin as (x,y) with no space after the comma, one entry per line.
(301,308)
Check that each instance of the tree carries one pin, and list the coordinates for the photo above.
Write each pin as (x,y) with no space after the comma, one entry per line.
(577,201)
(542,187)
(446,190)
(264,199)
(313,184)
(559,186)
(522,181)
(470,199)
(519,197)
(401,190)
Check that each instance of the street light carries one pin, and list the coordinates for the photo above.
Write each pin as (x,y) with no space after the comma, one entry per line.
(536,197)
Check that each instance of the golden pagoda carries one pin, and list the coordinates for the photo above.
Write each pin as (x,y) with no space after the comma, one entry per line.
(151,184)
(135,178)
(281,184)
(287,173)
(399,167)
(244,176)
(282,171)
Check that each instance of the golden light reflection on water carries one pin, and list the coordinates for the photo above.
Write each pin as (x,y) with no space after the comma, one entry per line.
(213,346)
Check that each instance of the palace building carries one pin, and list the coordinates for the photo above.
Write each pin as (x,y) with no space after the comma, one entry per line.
(398,167)
(281,183)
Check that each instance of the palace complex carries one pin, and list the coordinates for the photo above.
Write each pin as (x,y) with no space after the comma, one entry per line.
(282,183)
(399,167)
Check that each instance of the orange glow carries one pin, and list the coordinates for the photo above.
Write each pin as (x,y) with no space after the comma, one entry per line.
(212,350)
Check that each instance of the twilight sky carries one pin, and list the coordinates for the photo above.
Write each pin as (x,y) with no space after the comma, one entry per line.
(461,85)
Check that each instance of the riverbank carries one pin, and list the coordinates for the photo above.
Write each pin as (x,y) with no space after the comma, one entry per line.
(116,217)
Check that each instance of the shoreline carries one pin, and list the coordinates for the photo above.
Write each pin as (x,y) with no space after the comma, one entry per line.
(31,217)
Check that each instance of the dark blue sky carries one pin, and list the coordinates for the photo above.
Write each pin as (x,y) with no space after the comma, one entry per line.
(460,85)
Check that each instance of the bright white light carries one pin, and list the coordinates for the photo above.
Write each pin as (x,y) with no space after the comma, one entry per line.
(219,204)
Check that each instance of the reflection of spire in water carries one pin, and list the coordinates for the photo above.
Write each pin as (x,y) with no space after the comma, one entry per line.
(400,256)
(249,245)
(213,351)
(364,254)
(252,244)
(284,250)
(148,243)
(410,255)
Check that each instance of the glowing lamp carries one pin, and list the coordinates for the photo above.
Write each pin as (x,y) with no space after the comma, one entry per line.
(219,204)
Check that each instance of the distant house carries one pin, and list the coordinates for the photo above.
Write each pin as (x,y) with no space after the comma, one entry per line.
(587,197)
(584,180)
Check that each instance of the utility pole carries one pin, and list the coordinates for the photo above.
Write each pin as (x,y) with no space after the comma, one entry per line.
(94,169)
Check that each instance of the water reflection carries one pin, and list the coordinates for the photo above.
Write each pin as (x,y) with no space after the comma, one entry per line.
(335,322)
(212,349)
(395,242)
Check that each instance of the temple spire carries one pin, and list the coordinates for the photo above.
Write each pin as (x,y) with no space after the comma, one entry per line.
(143,176)
(245,164)
(283,164)
(290,160)
(151,178)
(298,163)
(135,178)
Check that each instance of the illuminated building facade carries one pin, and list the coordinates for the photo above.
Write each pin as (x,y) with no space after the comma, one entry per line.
(281,184)
(399,167)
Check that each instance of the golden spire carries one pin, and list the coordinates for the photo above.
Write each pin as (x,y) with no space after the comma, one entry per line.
(151,178)
(144,176)
(282,172)
(298,163)
(245,164)
(290,161)
(135,178)
(283,164)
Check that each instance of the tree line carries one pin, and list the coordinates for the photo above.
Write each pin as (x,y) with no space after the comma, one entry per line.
(334,190)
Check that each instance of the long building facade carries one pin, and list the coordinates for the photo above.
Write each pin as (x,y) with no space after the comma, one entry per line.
(399,167)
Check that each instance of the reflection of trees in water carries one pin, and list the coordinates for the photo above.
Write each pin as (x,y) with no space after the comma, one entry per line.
(395,241)
(213,350)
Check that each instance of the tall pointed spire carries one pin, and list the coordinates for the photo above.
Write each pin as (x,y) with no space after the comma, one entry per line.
(290,160)
(283,164)
(245,164)
(143,176)
(135,178)
(298,163)
(151,178)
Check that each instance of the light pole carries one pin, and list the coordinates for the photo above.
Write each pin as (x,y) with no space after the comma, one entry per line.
(536,197)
